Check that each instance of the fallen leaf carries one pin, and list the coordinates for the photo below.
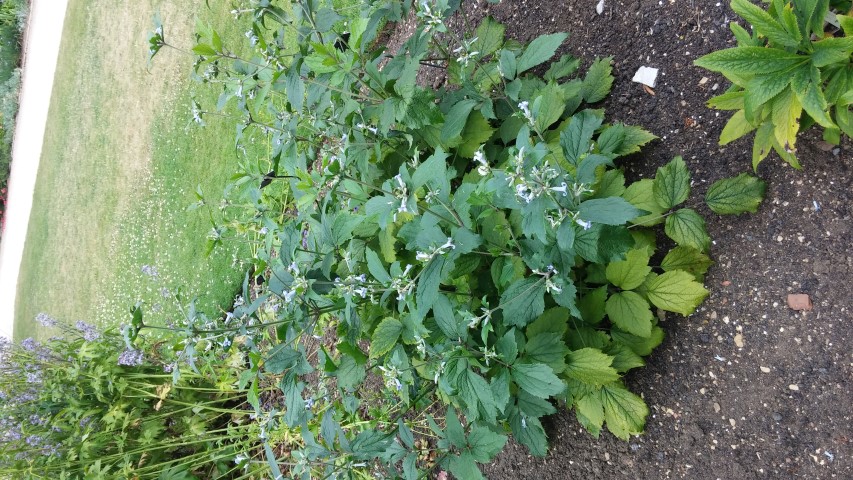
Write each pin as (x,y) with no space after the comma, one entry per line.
(649,90)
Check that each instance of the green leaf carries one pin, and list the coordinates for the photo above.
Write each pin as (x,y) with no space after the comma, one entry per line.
(204,49)
(537,379)
(591,305)
(641,195)
(477,395)
(807,84)
(832,50)
(736,195)
(785,112)
(624,412)
(548,107)
(598,80)
(639,345)
(591,366)
(455,119)
(609,211)
(631,313)
(764,23)
(485,444)
(464,466)
(490,37)
(603,243)
(728,101)
(476,132)
(523,301)
(508,66)
(577,135)
(506,347)
(590,413)
(687,228)
(447,320)
(630,273)
(350,374)
(672,183)
(529,432)
(688,259)
(385,336)
(744,61)
(563,67)
(624,358)
(553,322)
(433,170)
(453,429)
(280,358)
(548,349)
(763,143)
(427,291)
(540,50)
(676,291)
(736,127)
(374,265)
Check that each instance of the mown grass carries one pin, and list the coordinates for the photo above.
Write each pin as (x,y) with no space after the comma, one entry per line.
(119,167)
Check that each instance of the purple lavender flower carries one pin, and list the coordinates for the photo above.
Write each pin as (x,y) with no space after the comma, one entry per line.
(150,270)
(45,320)
(90,333)
(130,358)
(29,344)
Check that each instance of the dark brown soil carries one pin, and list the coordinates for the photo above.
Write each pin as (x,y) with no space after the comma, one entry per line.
(716,414)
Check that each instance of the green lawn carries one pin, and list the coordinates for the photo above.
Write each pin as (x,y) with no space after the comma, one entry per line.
(120,164)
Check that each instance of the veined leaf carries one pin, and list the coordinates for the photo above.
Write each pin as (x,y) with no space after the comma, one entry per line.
(672,183)
(763,143)
(553,322)
(639,345)
(591,366)
(548,349)
(624,358)
(577,135)
(609,211)
(523,301)
(490,36)
(540,50)
(765,24)
(676,291)
(749,60)
(785,112)
(736,127)
(529,432)
(641,195)
(736,195)
(427,291)
(630,273)
(484,443)
(687,227)
(591,305)
(537,379)
(832,50)
(590,413)
(563,67)
(624,412)
(385,336)
(464,466)
(635,137)
(630,312)
(455,119)
(728,101)
(598,80)
(374,265)
(688,259)
(806,83)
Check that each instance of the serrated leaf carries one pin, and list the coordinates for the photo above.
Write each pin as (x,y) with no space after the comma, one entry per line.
(590,366)
(385,336)
(540,50)
(548,349)
(591,305)
(529,432)
(350,374)
(490,36)
(640,346)
(537,379)
(785,112)
(728,101)
(608,211)
(688,259)
(736,127)
(280,358)
(590,413)
(550,106)
(477,395)
(807,84)
(484,443)
(764,23)
(624,412)
(687,228)
(455,119)
(676,291)
(577,135)
(744,61)
(523,301)
(598,80)
(624,358)
(737,195)
(611,184)
(374,265)
(507,65)
(641,195)
(832,50)
(630,273)
(563,67)
(672,184)
(476,132)
(427,291)
(630,312)
(453,429)
(553,322)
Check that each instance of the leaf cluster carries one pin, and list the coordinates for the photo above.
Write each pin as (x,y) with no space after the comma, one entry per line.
(787,75)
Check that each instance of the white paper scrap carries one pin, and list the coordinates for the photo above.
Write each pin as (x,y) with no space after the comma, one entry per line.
(647,76)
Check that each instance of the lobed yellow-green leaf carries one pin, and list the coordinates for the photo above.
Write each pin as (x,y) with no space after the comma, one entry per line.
(675,291)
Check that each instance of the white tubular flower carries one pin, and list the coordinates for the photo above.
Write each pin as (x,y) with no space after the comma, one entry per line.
(525,110)
(563,188)
(423,257)
(480,157)
(583,223)
(552,287)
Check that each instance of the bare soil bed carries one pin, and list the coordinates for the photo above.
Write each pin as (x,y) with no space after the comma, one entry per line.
(746,387)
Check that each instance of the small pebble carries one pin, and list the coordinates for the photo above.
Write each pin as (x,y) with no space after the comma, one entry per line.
(777,416)
(732,422)
(765,369)
(739,340)
(794,387)
(716,407)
